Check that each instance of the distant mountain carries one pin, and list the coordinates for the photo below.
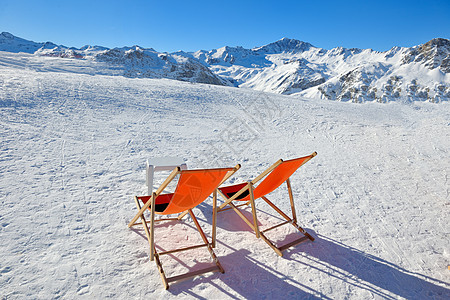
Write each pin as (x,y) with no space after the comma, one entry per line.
(418,73)
(357,75)
(433,54)
(135,61)
(11,43)
(140,62)
(284,45)
(287,66)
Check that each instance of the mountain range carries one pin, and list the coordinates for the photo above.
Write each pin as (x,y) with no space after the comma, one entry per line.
(287,66)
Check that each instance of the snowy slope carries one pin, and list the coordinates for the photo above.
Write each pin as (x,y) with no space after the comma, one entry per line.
(74,141)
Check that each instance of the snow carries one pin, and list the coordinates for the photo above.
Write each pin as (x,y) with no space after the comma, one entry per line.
(287,66)
(298,68)
(74,141)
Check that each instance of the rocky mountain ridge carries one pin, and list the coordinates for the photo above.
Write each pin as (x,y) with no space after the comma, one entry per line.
(287,66)
(134,61)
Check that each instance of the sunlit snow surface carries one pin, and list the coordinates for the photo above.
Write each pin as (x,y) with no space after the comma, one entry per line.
(74,141)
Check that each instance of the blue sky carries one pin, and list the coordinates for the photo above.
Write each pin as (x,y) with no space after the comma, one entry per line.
(193,25)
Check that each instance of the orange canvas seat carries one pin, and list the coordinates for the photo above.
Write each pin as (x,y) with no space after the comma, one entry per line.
(193,187)
(248,192)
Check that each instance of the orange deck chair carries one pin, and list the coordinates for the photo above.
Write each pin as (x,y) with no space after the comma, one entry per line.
(275,175)
(194,186)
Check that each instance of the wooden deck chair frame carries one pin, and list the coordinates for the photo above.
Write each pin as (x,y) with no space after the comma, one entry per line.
(250,200)
(150,204)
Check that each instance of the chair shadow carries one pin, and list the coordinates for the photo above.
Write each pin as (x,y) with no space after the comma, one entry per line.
(244,275)
(248,279)
(253,280)
(367,271)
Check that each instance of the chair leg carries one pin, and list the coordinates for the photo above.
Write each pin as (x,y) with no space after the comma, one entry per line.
(291,198)
(252,201)
(150,239)
(214,221)
(161,271)
(152,228)
(144,223)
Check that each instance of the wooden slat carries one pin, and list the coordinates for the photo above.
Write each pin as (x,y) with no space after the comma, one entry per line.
(293,243)
(182,249)
(223,204)
(205,170)
(158,220)
(166,219)
(276,226)
(228,208)
(193,273)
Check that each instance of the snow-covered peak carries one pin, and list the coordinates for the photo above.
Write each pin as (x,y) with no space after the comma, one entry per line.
(11,43)
(6,35)
(229,56)
(134,48)
(345,52)
(438,42)
(284,45)
(93,48)
(148,63)
(433,54)
(287,66)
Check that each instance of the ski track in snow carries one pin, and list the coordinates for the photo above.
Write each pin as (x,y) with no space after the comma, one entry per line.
(73,152)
